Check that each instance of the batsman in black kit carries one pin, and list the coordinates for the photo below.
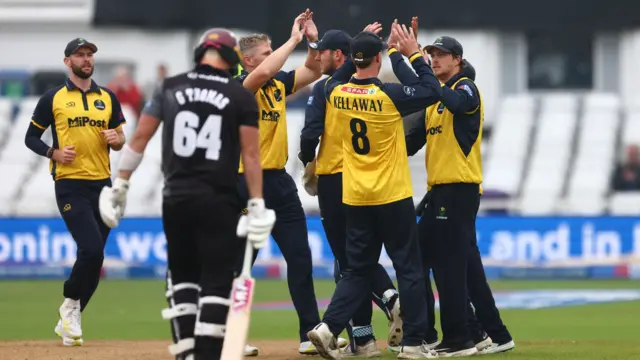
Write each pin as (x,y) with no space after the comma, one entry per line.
(209,120)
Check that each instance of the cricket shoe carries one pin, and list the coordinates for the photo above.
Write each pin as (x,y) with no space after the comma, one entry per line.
(307,347)
(368,350)
(324,341)
(498,348)
(417,352)
(66,341)
(70,319)
(483,342)
(456,350)
(395,324)
(430,345)
(251,350)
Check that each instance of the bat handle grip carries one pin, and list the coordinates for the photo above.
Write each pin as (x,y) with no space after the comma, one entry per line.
(248,259)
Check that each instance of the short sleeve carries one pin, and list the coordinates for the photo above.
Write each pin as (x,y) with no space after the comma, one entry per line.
(153,107)
(288,79)
(248,108)
(43,113)
(117,117)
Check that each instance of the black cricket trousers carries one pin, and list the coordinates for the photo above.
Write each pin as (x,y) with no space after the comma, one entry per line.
(368,228)
(78,204)
(334,222)
(486,316)
(290,233)
(202,246)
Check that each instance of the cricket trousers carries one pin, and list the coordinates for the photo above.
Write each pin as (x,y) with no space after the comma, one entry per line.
(290,233)
(78,204)
(201,250)
(368,229)
(332,212)
(486,316)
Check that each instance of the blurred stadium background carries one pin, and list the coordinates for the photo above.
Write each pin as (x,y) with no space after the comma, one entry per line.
(561,135)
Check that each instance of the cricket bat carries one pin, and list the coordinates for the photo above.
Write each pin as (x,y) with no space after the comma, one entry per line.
(239,315)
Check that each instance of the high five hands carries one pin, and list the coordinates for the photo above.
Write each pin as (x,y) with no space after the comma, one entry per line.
(303,25)
(403,39)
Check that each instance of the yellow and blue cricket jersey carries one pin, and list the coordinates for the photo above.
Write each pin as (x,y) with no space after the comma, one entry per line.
(321,126)
(272,119)
(76,118)
(369,114)
(452,131)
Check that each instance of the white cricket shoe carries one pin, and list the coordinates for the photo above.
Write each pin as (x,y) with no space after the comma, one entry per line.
(324,341)
(66,341)
(368,350)
(498,348)
(432,346)
(307,347)
(70,318)
(251,350)
(395,325)
(417,352)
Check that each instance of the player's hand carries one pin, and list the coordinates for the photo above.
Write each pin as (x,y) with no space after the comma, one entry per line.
(375,28)
(310,29)
(407,44)
(298,24)
(113,201)
(257,224)
(310,179)
(110,136)
(392,41)
(414,26)
(65,155)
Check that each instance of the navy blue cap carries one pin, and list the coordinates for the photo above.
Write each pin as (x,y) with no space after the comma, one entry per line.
(446,44)
(76,44)
(333,40)
(366,45)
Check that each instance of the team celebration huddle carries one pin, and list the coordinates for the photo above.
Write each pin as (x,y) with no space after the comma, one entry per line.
(224,151)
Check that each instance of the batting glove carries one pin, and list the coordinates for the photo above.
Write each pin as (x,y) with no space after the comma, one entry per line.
(257,224)
(113,201)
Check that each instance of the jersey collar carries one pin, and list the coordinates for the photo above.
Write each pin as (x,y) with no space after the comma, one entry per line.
(367,81)
(211,70)
(93,88)
(455,78)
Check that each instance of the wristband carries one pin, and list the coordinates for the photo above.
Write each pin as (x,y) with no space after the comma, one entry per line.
(414,56)
(49,153)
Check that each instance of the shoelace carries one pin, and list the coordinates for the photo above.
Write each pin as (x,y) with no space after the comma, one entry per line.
(75,316)
(425,348)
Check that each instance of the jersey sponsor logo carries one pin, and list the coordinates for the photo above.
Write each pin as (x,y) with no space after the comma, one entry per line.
(358,91)
(99,104)
(466,88)
(434,130)
(83,121)
(440,108)
(357,104)
(270,115)
(310,101)
(193,76)
(71,104)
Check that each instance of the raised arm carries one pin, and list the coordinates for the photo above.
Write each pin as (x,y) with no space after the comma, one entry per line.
(311,71)
(464,99)
(274,62)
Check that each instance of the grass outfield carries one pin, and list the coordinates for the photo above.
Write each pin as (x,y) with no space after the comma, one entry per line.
(130,310)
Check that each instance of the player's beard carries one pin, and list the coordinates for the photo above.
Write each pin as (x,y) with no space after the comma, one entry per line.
(77,70)
(331,68)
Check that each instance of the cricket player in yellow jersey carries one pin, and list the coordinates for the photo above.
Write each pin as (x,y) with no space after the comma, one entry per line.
(377,187)
(452,131)
(334,48)
(263,77)
(86,122)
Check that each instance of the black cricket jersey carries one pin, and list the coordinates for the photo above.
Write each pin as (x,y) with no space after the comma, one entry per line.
(202,111)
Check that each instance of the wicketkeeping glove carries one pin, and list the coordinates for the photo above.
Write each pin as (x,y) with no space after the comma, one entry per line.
(113,201)
(257,224)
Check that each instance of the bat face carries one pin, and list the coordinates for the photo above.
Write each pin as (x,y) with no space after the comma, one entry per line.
(242,295)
